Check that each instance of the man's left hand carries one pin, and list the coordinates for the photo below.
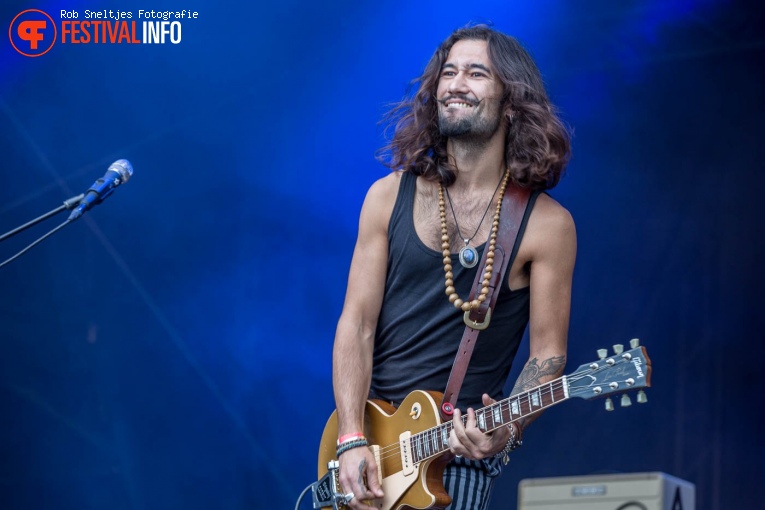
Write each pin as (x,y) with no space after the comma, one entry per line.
(469,441)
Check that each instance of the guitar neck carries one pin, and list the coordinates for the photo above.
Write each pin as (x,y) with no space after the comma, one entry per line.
(435,441)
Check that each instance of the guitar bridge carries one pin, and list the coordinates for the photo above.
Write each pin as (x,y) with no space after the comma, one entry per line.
(378,460)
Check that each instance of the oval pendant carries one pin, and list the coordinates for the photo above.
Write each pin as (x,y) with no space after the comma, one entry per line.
(468,256)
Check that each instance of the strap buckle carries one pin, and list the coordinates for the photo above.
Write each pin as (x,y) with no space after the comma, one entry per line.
(480,326)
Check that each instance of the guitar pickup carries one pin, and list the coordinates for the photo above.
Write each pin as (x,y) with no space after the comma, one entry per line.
(407,459)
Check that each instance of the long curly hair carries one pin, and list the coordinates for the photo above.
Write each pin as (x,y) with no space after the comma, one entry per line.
(537,144)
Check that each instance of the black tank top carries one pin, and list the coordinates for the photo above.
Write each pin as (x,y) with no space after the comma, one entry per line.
(419,331)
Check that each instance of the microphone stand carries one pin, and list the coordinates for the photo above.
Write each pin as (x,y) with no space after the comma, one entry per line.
(67,205)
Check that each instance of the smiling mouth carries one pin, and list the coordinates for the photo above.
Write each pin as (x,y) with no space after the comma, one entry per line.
(458,103)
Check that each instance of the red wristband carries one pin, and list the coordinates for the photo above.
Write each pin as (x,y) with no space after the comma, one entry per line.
(349,437)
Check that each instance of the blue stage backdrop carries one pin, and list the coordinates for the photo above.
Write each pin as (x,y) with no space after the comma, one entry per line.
(172,348)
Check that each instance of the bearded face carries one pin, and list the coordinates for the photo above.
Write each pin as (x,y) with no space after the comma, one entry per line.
(469,105)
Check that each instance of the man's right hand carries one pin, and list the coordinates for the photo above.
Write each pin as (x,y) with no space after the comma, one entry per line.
(359,475)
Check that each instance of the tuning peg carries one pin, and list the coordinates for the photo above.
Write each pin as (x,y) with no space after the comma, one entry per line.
(641,397)
(609,404)
(626,401)
(618,349)
(602,353)
(635,343)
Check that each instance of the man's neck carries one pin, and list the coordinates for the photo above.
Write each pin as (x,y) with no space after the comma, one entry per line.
(480,164)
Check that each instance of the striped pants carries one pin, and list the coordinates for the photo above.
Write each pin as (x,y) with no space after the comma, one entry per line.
(469,482)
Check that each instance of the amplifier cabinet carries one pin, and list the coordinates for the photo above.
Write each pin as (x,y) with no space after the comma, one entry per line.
(629,491)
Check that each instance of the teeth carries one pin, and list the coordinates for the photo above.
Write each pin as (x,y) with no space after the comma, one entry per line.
(459,105)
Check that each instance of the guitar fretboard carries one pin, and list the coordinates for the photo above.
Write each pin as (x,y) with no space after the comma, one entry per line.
(435,441)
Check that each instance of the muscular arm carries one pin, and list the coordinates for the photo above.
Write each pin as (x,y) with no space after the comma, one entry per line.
(550,242)
(553,247)
(354,338)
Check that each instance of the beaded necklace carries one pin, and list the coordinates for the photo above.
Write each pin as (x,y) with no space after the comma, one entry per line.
(451,292)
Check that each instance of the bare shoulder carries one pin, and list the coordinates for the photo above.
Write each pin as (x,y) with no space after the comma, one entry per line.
(380,199)
(385,188)
(549,213)
(551,227)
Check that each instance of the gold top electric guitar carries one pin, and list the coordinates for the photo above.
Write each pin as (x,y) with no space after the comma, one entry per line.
(411,444)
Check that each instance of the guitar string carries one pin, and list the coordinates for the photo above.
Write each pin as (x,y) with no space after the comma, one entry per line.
(505,404)
(433,437)
(520,400)
(428,436)
(436,432)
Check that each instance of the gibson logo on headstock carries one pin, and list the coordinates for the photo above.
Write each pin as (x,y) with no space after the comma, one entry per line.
(637,362)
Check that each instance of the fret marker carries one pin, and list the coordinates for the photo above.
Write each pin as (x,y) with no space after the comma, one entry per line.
(535,398)
(481,421)
(514,407)
(497,415)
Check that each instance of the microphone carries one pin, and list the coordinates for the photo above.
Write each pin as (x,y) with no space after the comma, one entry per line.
(118,173)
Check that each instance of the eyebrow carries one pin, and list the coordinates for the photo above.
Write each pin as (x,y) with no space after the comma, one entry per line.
(470,66)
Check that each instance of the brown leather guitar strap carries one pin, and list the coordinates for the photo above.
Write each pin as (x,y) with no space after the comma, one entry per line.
(513,207)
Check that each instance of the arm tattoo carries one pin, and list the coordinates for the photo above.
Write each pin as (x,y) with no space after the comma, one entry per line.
(533,373)
(362,468)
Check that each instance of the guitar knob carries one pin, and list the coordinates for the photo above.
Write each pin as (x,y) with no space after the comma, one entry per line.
(641,397)
(602,353)
(609,404)
(626,401)
(635,343)
(618,349)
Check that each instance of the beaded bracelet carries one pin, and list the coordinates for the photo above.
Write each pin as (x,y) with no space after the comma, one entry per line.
(349,445)
(512,444)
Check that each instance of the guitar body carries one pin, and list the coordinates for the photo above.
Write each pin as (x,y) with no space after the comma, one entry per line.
(411,444)
(415,487)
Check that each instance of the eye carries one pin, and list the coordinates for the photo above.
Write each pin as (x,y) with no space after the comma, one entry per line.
(447,73)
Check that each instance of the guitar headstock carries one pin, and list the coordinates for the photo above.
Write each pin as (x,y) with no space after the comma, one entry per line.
(624,371)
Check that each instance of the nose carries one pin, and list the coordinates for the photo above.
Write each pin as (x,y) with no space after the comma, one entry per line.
(458,84)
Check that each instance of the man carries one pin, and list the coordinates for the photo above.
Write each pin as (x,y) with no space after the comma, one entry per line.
(479,116)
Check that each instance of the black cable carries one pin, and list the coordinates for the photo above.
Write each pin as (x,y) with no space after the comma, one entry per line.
(22,252)
(302,495)
(636,504)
